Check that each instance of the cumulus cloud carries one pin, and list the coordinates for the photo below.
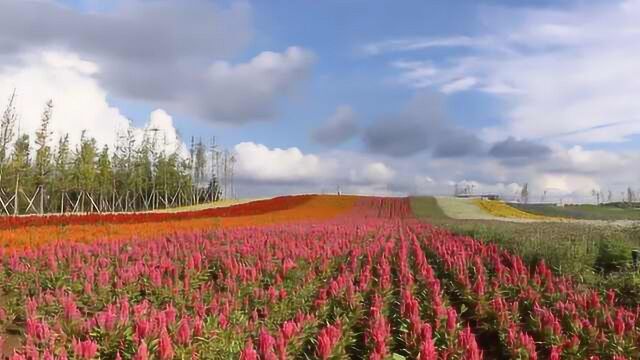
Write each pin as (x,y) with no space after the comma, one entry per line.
(163,132)
(258,162)
(249,91)
(373,173)
(517,151)
(569,175)
(179,60)
(341,127)
(565,73)
(271,169)
(80,103)
(423,125)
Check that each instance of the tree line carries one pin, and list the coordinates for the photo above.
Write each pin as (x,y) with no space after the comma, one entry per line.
(47,175)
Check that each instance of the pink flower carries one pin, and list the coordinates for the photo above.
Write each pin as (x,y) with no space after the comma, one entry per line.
(165,347)
(468,342)
(265,345)
(198,327)
(327,339)
(452,318)
(142,327)
(288,329)
(86,349)
(618,324)
(183,337)
(249,353)
(427,346)
(142,353)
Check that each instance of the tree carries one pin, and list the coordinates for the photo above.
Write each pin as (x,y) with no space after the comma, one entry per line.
(18,168)
(524,193)
(84,168)
(105,175)
(7,128)
(61,174)
(43,153)
(136,175)
(200,162)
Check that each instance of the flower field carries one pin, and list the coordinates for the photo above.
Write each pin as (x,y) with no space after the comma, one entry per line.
(500,209)
(147,225)
(330,278)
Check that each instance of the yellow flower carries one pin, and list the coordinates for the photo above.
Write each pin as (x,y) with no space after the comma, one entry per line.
(501,209)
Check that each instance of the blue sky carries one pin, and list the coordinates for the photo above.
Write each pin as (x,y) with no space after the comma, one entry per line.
(335,31)
(374,96)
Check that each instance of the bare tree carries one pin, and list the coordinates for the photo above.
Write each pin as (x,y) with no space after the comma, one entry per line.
(7,129)
(43,152)
(524,193)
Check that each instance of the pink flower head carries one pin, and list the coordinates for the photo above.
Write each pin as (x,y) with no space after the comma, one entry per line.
(452,318)
(427,345)
(265,344)
(288,329)
(327,339)
(165,347)
(248,353)
(142,353)
(183,336)
(86,349)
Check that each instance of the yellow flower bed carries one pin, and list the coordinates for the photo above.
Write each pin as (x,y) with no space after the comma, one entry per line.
(501,209)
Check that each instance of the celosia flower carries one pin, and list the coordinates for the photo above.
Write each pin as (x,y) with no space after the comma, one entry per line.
(142,353)
(165,347)
(248,353)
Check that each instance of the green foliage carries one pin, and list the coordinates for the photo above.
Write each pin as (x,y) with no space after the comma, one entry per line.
(613,255)
(427,207)
(612,211)
(134,174)
(597,255)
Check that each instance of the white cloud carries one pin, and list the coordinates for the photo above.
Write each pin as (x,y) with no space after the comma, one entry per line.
(377,48)
(459,85)
(260,165)
(339,128)
(570,175)
(373,173)
(162,131)
(258,162)
(249,91)
(567,75)
(80,103)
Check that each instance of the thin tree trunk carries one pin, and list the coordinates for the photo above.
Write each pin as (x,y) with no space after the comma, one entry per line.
(15,204)
(41,199)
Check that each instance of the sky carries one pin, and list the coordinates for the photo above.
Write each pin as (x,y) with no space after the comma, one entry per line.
(373,97)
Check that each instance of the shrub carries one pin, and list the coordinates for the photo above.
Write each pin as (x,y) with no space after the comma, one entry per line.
(613,255)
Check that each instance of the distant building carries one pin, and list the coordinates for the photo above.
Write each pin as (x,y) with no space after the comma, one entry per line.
(479,196)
